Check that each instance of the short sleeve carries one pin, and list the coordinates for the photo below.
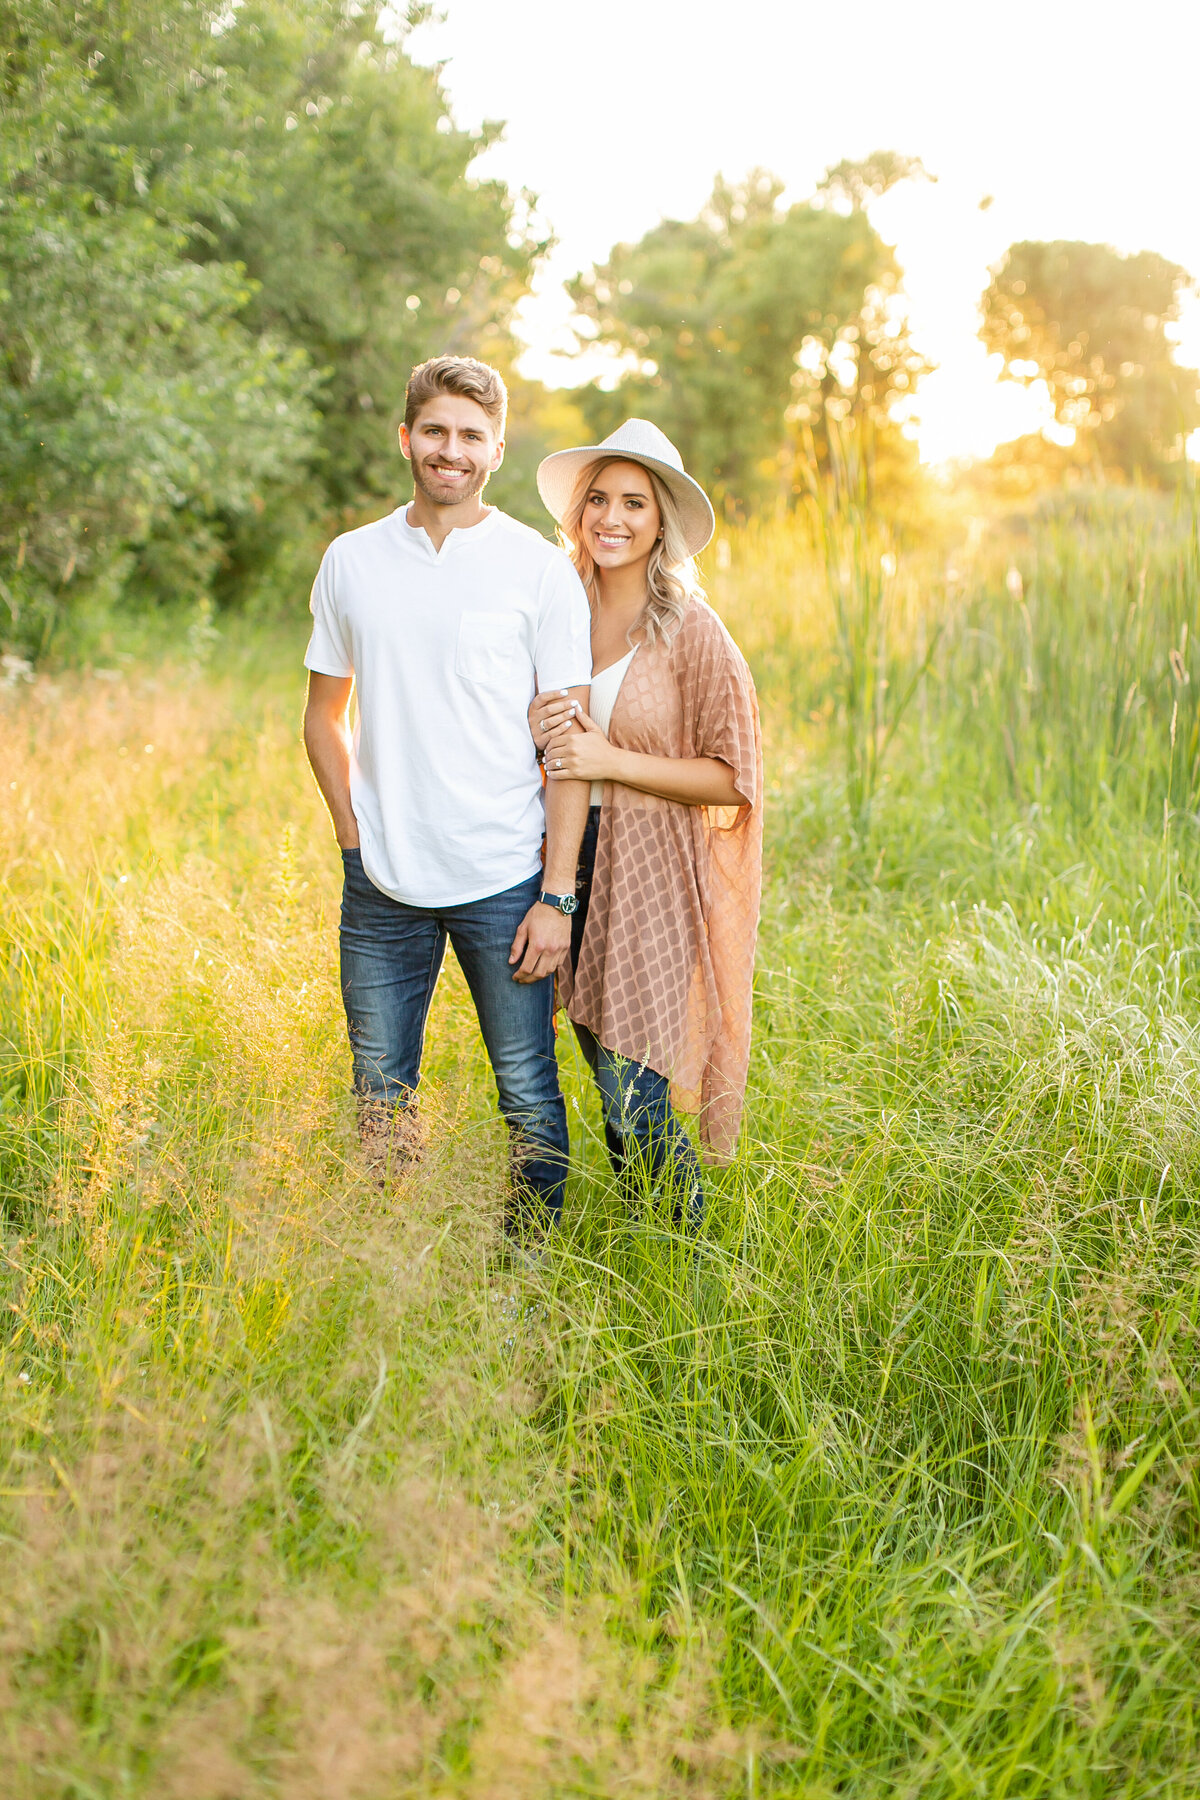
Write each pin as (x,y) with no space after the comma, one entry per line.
(720,705)
(328,652)
(563,653)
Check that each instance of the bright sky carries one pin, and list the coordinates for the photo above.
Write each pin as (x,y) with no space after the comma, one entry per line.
(1080,120)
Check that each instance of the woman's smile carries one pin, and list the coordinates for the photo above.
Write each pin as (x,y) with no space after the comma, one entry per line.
(621,516)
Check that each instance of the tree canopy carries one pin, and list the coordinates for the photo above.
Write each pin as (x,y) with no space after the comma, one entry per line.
(1092,325)
(226,234)
(747,330)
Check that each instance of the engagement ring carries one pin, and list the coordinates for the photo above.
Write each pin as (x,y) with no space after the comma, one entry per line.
(558,762)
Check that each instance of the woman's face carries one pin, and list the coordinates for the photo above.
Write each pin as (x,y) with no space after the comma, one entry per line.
(621,520)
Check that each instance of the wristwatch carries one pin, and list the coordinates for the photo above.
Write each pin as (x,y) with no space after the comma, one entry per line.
(563,903)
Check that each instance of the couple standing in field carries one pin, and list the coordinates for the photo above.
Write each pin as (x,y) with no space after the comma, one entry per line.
(625,884)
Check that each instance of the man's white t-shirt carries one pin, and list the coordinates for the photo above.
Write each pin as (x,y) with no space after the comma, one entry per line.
(447,649)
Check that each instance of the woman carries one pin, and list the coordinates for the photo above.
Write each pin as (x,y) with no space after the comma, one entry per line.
(659,988)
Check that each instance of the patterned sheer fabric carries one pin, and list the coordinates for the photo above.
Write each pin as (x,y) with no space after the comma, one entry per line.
(666,966)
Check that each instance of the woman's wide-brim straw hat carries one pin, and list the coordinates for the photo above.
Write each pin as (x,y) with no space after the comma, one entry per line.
(637,440)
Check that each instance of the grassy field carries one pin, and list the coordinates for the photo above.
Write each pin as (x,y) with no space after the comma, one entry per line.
(892,1491)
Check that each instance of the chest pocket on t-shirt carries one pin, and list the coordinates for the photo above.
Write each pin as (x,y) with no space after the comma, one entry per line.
(487,646)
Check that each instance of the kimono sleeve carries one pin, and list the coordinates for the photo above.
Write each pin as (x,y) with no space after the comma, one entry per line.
(719,702)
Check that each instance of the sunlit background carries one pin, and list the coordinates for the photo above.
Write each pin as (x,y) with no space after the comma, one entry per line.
(1047,121)
(231,229)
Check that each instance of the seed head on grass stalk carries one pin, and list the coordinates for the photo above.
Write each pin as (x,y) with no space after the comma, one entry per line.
(879,673)
(884,1485)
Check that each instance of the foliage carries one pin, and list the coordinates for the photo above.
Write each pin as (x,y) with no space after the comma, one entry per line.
(853,185)
(539,420)
(1100,630)
(369,245)
(135,408)
(1092,325)
(226,235)
(751,325)
(879,667)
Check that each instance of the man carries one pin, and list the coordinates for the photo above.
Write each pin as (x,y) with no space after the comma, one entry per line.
(444,619)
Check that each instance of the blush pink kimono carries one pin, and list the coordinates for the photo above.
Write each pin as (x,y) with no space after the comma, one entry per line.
(667,962)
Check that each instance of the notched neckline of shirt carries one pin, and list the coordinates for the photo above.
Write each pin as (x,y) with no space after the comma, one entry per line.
(420,541)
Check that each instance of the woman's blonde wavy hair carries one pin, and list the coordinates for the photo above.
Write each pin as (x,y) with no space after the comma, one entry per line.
(671,578)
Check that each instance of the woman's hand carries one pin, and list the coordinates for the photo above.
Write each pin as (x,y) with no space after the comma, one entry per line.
(577,750)
(548,713)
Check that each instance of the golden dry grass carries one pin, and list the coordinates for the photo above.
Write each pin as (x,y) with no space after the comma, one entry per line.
(270,1477)
(890,1488)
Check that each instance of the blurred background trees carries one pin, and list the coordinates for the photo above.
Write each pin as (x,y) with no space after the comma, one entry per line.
(748,331)
(226,236)
(1093,325)
(228,231)
(136,409)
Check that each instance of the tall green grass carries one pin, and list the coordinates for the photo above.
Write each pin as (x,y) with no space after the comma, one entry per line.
(887,1487)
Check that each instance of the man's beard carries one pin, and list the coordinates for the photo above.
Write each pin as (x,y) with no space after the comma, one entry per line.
(439,496)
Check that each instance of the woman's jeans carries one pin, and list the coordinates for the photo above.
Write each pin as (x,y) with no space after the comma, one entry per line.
(391,958)
(645,1141)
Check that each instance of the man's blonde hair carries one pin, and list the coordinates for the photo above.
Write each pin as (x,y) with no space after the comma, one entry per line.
(462,375)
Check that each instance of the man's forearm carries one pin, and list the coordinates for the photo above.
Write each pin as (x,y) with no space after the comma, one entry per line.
(328,747)
(566,816)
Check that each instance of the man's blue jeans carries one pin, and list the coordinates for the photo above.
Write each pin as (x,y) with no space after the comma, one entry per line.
(391,958)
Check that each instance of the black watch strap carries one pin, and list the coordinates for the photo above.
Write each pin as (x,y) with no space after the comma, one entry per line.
(563,903)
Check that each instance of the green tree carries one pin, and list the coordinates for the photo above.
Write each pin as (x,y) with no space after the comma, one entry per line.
(335,178)
(853,185)
(134,405)
(746,331)
(367,240)
(1091,324)
(227,233)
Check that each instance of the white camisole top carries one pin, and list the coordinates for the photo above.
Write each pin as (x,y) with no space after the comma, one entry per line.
(605,688)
